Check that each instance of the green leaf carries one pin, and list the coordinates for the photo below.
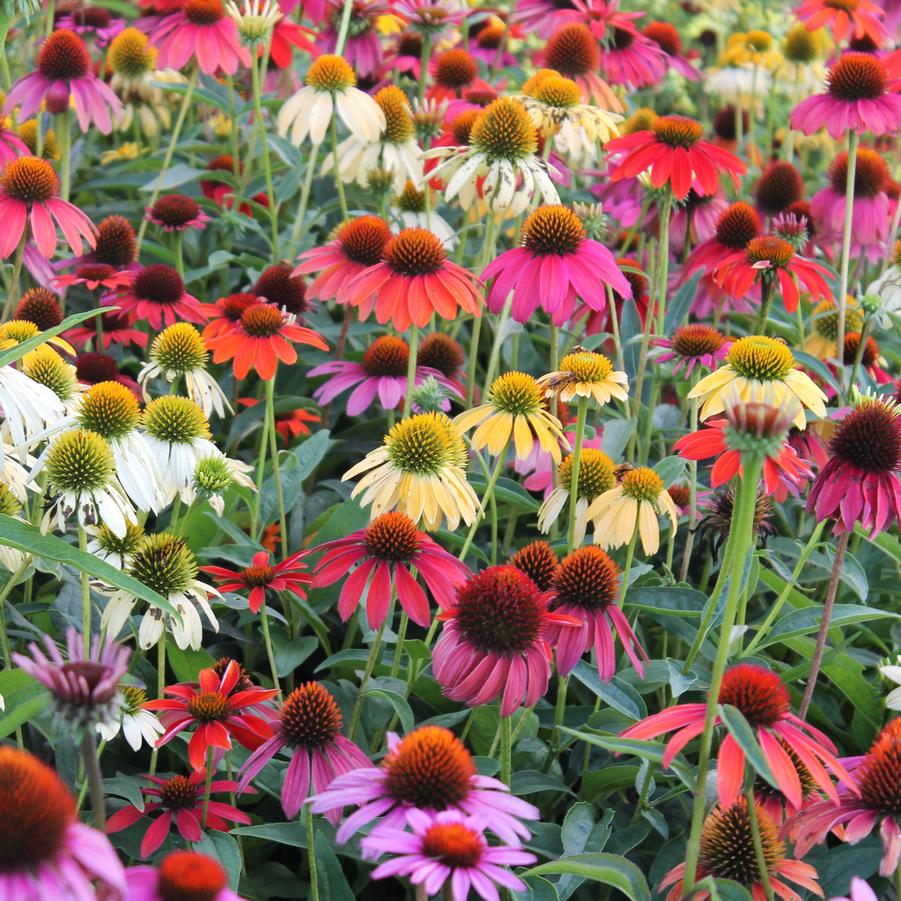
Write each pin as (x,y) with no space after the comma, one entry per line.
(670,469)
(222,847)
(677,308)
(291,652)
(528,782)
(19,351)
(333,885)
(187,663)
(609,869)
(802,622)
(400,705)
(24,698)
(292,834)
(506,491)
(616,693)
(739,728)
(667,599)
(28,538)
(176,175)
(538,889)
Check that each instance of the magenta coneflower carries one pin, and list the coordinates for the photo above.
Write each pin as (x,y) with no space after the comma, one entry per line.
(585,586)
(185,875)
(92,21)
(45,852)
(262,576)
(29,198)
(573,51)
(861,483)
(386,551)
(556,263)
(381,374)
(630,58)
(118,330)
(430,770)
(691,346)
(859,98)
(363,47)
(156,295)
(495,641)
(64,70)
(667,37)
(309,724)
(203,30)
(11,146)
(447,852)
(764,701)
(176,213)
(847,18)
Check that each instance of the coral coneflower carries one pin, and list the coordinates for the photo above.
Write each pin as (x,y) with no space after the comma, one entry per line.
(495,641)
(156,294)
(226,312)
(691,346)
(573,51)
(200,28)
(185,875)
(846,18)
(262,576)
(452,71)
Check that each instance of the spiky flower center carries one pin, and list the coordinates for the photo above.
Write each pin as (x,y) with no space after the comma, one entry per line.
(309,717)
(363,240)
(631,269)
(29,179)
(553,229)
(557,91)
(188,876)
(504,131)
(857,76)
(586,578)
(642,484)
(461,126)
(212,475)
(63,57)
(800,44)
(40,306)
(415,251)
(46,367)
(761,358)
(587,366)
(179,348)
(515,393)
(538,561)
(331,73)
(424,444)
(36,810)
(869,354)
(204,12)
(10,505)
(164,563)
(399,123)
(572,51)
(757,692)
(393,537)
(696,340)
(175,420)
(79,462)
(113,544)
(262,320)
(158,283)
(780,185)
(175,210)
(455,69)
(116,242)
(738,225)
(455,845)
(500,611)
(871,173)
(642,119)
(208,706)
(665,36)
(442,352)
(28,132)
(130,53)
(19,330)
(279,287)
(879,775)
(869,437)
(387,356)
(727,844)
(429,768)
(596,473)
(411,200)
(825,319)
(677,131)
(179,793)
(133,698)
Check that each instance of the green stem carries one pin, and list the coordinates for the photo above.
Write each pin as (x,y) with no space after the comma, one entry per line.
(560,707)
(663,262)
(858,354)
(367,674)
(339,184)
(766,300)
(627,566)
(506,750)
(304,199)
(495,357)
(743,528)
(267,162)
(207,786)
(160,689)
(489,491)
(261,462)
(399,647)
(692,492)
(276,469)
(85,596)
(4,594)
(424,66)
(411,369)
(842,299)
(763,869)
(344,27)
(267,641)
(64,131)
(581,417)
(4,62)
(179,259)
(95,779)
(311,853)
(12,292)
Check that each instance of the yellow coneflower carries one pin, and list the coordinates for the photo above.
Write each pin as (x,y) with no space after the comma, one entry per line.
(751,48)
(821,342)
(584,373)
(18,331)
(636,502)
(755,362)
(420,471)
(514,409)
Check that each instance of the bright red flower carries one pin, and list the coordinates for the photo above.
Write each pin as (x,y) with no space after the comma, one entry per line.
(290,424)
(216,713)
(289,575)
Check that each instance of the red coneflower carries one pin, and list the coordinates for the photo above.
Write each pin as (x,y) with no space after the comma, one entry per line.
(262,576)
(217,711)
(451,72)
(279,285)
(40,306)
(118,329)
(156,295)
(386,551)
(291,424)
(226,312)
(185,875)
(674,152)
(93,276)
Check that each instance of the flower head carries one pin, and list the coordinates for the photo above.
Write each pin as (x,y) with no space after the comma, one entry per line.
(262,576)
(584,373)
(200,28)
(186,875)
(693,345)
(176,213)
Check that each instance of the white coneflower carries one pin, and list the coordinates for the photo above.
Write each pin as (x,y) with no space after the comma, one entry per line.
(81,472)
(330,86)
(46,367)
(502,150)
(254,19)
(396,150)
(28,408)
(138,725)
(215,474)
(115,550)
(410,212)
(180,352)
(166,564)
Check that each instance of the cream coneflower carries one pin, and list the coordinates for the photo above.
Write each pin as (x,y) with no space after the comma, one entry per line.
(46,367)
(597,474)
(636,503)
(330,85)
(136,724)
(755,362)
(212,476)
(821,342)
(180,352)
(395,151)
(420,470)
(166,564)
(584,373)
(81,472)
(502,150)
(515,409)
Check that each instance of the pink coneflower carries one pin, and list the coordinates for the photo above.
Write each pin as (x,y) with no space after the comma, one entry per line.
(859,98)
(262,576)
(406,54)
(11,146)
(871,217)
(363,47)
(181,874)
(176,213)
(414,281)
(495,641)
(543,17)
(429,770)
(29,198)
(200,29)
(675,154)
(630,58)
(382,374)
(764,701)
(573,52)
(871,800)
(64,70)
(156,295)
(92,21)
(693,221)
(45,852)
(556,263)
(93,276)
(691,346)
(447,853)
(620,200)
(384,553)
(118,329)
(309,723)
(847,18)
(665,35)
(585,587)
(357,246)
(180,801)
(861,483)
